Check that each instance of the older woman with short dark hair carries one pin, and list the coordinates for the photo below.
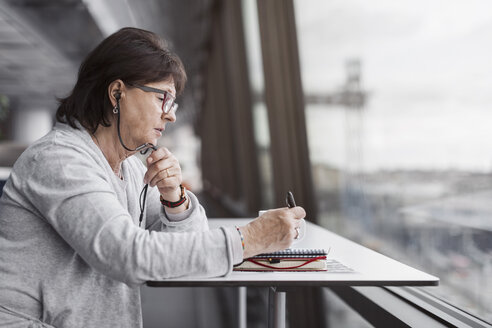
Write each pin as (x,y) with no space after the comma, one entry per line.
(84,223)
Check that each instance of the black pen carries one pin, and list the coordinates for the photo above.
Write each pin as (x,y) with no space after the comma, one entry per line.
(290,200)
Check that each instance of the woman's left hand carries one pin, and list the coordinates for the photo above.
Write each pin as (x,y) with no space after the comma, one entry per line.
(163,171)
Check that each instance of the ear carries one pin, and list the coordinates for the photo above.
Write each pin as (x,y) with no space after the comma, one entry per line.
(116,89)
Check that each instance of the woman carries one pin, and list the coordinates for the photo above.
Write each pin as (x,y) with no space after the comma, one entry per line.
(79,229)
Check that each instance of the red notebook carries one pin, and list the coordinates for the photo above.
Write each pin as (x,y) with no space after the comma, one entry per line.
(291,259)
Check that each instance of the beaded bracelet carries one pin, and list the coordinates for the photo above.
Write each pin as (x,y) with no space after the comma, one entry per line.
(240,235)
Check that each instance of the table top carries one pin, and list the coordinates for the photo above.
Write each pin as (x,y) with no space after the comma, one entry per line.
(370,268)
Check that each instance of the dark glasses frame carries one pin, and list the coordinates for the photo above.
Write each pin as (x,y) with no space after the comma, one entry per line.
(169,102)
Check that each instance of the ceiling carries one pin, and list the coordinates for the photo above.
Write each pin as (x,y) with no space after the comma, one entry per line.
(42,42)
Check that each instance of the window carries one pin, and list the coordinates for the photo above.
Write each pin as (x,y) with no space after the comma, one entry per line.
(260,117)
(398,118)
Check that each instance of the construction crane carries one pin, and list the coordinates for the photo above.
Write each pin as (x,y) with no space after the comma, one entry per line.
(353,98)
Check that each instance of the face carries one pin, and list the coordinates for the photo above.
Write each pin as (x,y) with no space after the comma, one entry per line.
(142,118)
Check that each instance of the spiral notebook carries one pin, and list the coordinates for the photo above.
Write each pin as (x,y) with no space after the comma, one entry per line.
(291,259)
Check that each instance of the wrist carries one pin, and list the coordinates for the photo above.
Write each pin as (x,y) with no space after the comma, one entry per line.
(173,200)
(175,210)
(172,196)
(247,243)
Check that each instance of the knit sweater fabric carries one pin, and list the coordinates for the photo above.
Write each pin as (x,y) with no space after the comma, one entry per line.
(72,253)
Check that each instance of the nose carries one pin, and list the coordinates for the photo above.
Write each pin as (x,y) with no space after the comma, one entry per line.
(170,116)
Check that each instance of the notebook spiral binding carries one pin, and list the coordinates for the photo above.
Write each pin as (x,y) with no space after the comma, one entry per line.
(293,253)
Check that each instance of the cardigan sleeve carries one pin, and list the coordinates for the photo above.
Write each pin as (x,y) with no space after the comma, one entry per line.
(72,194)
(192,219)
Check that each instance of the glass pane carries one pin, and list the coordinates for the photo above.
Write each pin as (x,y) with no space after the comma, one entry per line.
(398,117)
(338,314)
(260,117)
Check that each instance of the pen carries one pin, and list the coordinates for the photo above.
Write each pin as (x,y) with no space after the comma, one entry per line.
(290,200)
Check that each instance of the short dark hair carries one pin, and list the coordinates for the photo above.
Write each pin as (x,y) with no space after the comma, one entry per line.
(133,55)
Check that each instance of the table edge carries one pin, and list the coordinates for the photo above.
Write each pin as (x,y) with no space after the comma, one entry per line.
(293,283)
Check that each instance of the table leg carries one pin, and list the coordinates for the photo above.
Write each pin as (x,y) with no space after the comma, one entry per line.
(276,308)
(242,323)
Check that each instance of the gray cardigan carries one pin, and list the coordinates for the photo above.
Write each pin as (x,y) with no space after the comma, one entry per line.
(71,251)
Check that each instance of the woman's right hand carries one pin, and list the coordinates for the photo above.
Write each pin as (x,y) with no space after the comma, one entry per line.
(273,231)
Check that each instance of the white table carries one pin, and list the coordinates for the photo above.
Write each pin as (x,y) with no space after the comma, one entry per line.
(370,269)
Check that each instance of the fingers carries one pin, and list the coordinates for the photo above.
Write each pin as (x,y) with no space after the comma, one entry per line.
(298,212)
(167,184)
(166,177)
(162,165)
(273,230)
(158,154)
(164,171)
(293,213)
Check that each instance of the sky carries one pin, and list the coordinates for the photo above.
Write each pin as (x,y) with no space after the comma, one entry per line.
(427,66)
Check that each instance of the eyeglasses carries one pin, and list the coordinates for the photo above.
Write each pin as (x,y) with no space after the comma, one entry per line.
(168,102)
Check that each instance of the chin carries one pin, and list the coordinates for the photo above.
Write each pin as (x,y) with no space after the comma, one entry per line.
(147,141)
(153,141)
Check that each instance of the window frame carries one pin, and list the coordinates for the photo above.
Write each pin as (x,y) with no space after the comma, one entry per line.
(405,307)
